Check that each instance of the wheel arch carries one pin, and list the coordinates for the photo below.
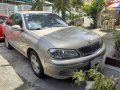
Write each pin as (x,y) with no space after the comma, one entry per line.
(28,53)
(31,49)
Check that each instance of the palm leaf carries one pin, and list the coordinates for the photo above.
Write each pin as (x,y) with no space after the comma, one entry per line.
(38,5)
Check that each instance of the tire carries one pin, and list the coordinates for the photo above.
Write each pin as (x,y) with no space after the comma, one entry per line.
(36,64)
(7,43)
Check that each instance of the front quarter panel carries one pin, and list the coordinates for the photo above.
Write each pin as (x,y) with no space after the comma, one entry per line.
(39,44)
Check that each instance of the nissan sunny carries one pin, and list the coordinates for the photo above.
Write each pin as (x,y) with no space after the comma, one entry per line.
(53,47)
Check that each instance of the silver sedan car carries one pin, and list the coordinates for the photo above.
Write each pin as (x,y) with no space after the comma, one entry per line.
(53,47)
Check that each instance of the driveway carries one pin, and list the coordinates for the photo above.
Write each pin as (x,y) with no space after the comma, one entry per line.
(16,73)
(19,75)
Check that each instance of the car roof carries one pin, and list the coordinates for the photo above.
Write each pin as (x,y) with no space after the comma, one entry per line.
(28,12)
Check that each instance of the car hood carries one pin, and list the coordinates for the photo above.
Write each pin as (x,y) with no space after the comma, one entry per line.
(68,37)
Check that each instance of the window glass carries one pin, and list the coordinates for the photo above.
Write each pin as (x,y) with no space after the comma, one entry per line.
(40,21)
(12,17)
(18,20)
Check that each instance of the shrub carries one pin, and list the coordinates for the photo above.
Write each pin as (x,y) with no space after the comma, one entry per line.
(116,37)
(100,82)
(92,9)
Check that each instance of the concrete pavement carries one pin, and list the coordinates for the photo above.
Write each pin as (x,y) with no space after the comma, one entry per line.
(21,76)
(9,79)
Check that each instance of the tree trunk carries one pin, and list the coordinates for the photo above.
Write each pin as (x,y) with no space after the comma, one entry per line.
(94,23)
(37,6)
(94,17)
(118,21)
(63,15)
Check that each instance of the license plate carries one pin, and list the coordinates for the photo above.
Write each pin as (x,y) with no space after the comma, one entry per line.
(95,61)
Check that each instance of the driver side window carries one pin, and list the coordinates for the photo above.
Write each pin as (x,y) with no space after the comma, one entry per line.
(10,21)
(18,20)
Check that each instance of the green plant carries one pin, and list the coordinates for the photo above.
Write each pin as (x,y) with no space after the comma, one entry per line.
(38,5)
(74,3)
(61,6)
(100,82)
(73,16)
(92,9)
(116,37)
(79,77)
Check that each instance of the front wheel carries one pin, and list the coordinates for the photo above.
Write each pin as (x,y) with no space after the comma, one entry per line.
(36,64)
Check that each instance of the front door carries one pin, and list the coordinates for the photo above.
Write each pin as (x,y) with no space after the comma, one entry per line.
(18,41)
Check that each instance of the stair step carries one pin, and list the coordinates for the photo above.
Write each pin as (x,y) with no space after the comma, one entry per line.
(111,71)
(113,61)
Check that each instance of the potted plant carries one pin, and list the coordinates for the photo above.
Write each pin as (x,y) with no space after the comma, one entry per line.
(99,81)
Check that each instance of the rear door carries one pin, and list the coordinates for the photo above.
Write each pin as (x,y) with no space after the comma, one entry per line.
(8,28)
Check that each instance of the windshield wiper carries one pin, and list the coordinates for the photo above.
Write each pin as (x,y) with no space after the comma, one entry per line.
(37,29)
(58,26)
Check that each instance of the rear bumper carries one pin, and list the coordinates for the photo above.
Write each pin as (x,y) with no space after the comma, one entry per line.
(64,69)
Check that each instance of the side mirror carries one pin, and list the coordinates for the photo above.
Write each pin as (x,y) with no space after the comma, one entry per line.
(16,28)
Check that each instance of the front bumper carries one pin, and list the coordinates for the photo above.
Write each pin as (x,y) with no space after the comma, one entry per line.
(64,69)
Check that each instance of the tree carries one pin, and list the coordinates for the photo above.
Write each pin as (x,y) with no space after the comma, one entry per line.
(61,6)
(92,9)
(74,3)
(38,5)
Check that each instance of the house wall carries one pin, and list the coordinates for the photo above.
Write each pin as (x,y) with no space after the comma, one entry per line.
(8,9)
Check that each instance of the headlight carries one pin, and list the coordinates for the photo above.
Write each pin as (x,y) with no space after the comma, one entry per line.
(63,53)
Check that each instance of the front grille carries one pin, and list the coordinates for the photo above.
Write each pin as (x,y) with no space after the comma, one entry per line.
(90,49)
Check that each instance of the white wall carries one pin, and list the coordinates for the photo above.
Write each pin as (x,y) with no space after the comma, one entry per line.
(8,9)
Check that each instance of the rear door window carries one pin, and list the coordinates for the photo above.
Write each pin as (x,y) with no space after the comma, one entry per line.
(18,20)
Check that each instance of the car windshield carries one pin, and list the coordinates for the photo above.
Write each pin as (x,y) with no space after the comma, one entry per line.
(40,21)
(2,20)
